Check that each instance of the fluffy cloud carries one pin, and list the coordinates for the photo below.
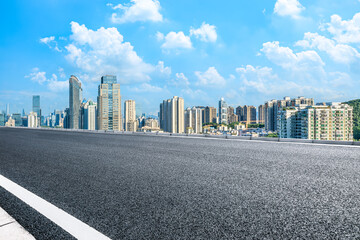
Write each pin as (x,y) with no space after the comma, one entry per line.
(338,52)
(177,40)
(210,78)
(139,10)
(104,52)
(345,31)
(162,70)
(180,80)
(286,58)
(206,33)
(52,83)
(292,8)
(50,42)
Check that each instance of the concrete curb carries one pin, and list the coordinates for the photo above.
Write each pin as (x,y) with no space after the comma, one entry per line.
(10,229)
(249,138)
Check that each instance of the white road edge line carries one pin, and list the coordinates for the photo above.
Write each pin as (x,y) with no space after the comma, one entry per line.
(64,220)
(261,141)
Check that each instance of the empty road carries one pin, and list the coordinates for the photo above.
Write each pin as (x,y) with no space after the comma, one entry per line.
(152,187)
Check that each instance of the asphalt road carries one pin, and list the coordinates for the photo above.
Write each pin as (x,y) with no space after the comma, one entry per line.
(148,187)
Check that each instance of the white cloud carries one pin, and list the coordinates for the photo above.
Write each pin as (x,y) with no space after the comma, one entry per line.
(104,52)
(338,52)
(180,80)
(286,58)
(138,10)
(345,31)
(146,87)
(160,36)
(292,8)
(210,78)
(50,42)
(177,40)
(61,72)
(206,33)
(53,83)
(160,68)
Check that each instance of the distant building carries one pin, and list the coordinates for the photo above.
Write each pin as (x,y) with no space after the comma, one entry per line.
(32,120)
(88,115)
(17,118)
(36,106)
(210,115)
(109,104)
(223,111)
(67,118)
(246,114)
(261,114)
(172,115)
(7,109)
(331,121)
(130,116)
(193,120)
(272,107)
(75,96)
(232,117)
(10,122)
(2,119)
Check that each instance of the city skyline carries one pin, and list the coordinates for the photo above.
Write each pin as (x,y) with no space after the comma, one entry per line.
(247,53)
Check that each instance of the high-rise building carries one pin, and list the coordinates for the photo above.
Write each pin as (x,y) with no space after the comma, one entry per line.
(17,118)
(261,114)
(130,116)
(223,112)
(36,107)
(32,120)
(246,114)
(75,96)
(272,108)
(232,117)
(331,121)
(2,119)
(109,104)
(7,109)
(210,115)
(193,120)
(172,115)
(88,111)
(67,118)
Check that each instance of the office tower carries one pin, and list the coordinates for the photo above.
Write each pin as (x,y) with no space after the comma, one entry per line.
(223,112)
(210,115)
(2,119)
(7,109)
(172,115)
(272,108)
(109,104)
(36,107)
(75,95)
(17,118)
(88,115)
(330,121)
(32,120)
(130,116)
(193,120)
(261,114)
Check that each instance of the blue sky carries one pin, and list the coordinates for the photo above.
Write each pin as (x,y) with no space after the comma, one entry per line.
(245,51)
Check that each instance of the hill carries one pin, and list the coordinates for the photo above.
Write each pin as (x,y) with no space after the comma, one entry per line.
(356,115)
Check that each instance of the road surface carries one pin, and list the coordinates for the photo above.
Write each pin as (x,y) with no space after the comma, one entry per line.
(152,187)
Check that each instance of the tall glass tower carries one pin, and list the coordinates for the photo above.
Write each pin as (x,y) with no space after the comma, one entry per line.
(36,106)
(223,111)
(75,95)
(109,104)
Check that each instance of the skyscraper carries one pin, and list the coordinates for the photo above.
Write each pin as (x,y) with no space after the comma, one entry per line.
(32,120)
(109,104)
(88,115)
(130,116)
(75,95)
(261,114)
(7,109)
(172,115)
(223,111)
(36,107)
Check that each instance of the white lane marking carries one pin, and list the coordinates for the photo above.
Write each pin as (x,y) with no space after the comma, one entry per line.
(262,141)
(64,220)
